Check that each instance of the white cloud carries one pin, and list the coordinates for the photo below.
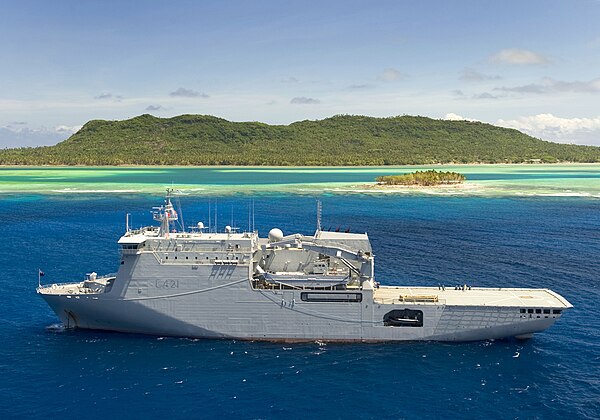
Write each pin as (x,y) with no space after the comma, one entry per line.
(304,100)
(67,129)
(549,127)
(576,86)
(290,79)
(484,95)
(529,88)
(108,95)
(455,117)
(188,93)
(391,75)
(471,75)
(518,57)
(460,95)
(563,130)
(549,85)
(12,136)
(361,86)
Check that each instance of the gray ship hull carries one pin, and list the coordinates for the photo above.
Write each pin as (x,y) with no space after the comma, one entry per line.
(217,285)
(143,319)
(221,303)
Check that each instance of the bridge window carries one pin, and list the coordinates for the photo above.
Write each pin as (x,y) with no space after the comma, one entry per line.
(330,297)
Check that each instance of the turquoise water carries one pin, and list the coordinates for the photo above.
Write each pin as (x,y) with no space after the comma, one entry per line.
(482,180)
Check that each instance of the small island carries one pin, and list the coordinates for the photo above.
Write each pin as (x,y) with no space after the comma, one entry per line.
(423,178)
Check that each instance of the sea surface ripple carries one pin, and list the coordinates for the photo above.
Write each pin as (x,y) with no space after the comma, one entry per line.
(551,242)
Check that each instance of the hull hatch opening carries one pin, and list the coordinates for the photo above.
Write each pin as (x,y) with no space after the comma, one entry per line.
(403,318)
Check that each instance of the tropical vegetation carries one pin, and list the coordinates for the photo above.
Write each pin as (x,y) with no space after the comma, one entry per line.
(339,140)
(423,178)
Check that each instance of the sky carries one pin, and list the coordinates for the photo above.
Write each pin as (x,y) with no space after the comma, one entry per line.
(531,65)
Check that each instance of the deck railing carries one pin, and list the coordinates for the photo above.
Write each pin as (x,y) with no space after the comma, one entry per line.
(71,283)
(413,299)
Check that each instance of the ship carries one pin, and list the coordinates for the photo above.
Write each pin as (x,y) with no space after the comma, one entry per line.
(226,284)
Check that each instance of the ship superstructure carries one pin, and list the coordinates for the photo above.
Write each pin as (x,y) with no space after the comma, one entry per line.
(230,284)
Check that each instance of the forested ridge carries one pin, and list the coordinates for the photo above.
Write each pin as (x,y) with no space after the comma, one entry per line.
(339,140)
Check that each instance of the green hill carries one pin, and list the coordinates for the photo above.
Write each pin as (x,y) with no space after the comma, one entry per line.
(339,140)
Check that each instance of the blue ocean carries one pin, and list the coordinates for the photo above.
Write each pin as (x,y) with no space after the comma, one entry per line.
(503,241)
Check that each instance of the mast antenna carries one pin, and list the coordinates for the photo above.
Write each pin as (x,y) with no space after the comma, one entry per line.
(178,202)
(319,211)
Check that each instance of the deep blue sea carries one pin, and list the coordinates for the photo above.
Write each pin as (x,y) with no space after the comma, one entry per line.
(549,242)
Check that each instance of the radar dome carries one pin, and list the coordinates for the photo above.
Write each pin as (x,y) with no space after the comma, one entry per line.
(228,229)
(200,225)
(275,235)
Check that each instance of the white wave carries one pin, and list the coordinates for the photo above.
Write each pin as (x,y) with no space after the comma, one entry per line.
(557,194)
(77,191)
(56,328)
